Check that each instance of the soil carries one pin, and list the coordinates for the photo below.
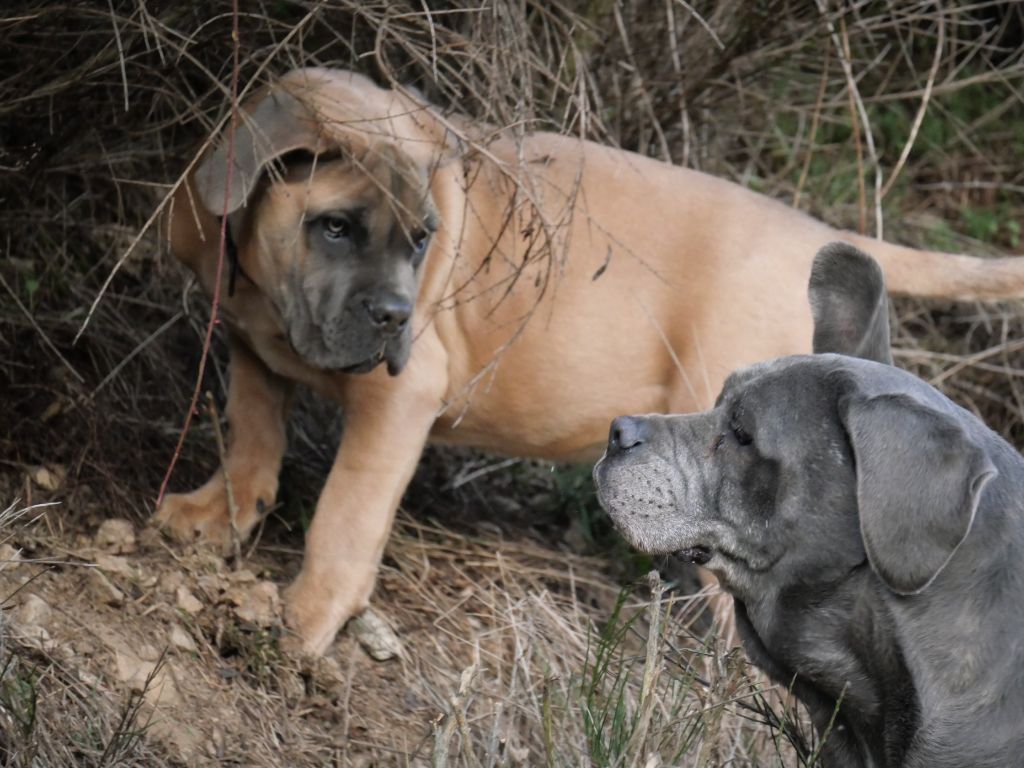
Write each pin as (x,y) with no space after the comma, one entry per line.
(119,610)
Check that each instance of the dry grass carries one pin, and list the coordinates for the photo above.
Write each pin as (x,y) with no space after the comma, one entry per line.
(516,653)
(509,630)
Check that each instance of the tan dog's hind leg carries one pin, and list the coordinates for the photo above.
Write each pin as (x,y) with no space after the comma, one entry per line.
(386,428)
(258,403)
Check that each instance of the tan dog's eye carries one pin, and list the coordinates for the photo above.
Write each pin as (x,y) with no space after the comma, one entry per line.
(336,227)
(420,240)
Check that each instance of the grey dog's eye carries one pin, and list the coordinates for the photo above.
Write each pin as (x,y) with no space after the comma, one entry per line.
(742,436)
(336,227)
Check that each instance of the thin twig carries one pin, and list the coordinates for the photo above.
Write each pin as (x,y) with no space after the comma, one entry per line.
(813,132)
(843,48)
(236,541)
(158,211)
(42,334)
(131,355)
(215,301)
(652,670)
(120,53)
(921,110)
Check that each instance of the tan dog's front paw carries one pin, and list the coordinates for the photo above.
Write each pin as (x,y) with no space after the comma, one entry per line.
(203,515)
(315,611)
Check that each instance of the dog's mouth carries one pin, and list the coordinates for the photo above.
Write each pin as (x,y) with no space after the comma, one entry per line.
(391,351)
(365,366)
(695,555)
(392,354)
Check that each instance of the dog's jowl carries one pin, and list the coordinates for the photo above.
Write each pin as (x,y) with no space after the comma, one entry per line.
(442,282)
(870,531)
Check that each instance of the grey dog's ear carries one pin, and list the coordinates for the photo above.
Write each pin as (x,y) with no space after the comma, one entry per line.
(278,124)
(849,304)
(919,481)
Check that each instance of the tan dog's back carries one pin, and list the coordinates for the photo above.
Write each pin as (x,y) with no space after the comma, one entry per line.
(662,281)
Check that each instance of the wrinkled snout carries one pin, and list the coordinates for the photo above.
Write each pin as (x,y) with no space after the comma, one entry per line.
(350,332)
(652,479)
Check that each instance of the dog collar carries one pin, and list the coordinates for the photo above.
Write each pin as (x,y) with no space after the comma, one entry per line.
(234,264)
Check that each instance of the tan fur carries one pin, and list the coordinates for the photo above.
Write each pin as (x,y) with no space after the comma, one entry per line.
(661,281)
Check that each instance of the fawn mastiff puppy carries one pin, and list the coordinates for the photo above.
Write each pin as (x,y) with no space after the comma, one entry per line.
(511,297)
(870,531)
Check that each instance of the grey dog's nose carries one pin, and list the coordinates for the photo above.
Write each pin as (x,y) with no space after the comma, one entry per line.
(626,432)
(388,312)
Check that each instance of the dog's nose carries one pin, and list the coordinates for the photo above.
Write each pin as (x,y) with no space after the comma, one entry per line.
(388,312)
(626,432)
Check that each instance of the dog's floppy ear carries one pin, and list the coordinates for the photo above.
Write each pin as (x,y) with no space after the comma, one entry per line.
(849,304)
(919,480)
(278,124)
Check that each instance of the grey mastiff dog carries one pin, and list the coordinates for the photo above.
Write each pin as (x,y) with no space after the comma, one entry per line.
(870,531)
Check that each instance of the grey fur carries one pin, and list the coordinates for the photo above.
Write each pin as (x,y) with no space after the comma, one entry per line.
(849,304)
(870,530)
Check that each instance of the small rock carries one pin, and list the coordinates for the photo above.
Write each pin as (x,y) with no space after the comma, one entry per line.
(132,670)
(116,536)
(328,675)
(149,677)
(212,584)
(519,755)
(114,564)
(149,538)
(258,603)
(209,562)
(9,556)
(148,581)
(33,612)
(28,621)
(217,746)
(243,576)
(104,590)
(48,478)
(187,601)
(374,634)
(182,640)
(169,582)
(37,637)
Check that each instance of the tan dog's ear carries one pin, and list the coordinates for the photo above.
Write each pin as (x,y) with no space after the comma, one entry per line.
(919,481)
(278,124)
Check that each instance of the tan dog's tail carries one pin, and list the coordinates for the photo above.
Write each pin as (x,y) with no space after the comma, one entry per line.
(931,274)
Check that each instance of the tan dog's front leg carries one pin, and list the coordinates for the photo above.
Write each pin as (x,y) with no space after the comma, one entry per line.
(257,407)
(387,422)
